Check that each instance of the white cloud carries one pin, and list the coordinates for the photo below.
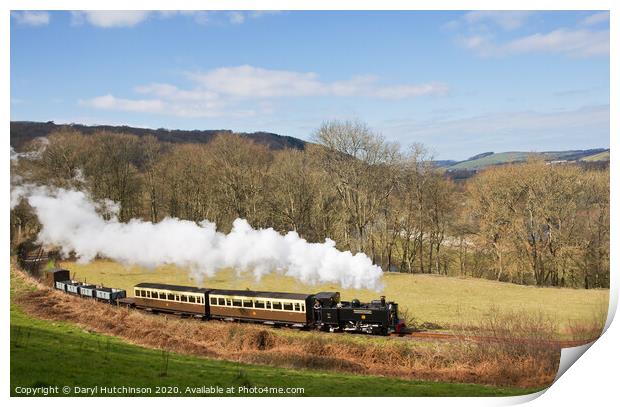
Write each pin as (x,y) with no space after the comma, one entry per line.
(33,18)
(168,100)
(595,19)
(410,91)
(480,37)
(112,19)
(236,17)
(570,42)
(574,43)
(252,82)
(248,81)
(109,18)
(508,20)
(246,90)
(109,102)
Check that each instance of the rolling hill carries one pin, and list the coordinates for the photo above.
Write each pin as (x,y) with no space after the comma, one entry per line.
(603,156)
(484,160)
(24,131)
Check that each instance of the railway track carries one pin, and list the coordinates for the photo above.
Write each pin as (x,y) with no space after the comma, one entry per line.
(444,336)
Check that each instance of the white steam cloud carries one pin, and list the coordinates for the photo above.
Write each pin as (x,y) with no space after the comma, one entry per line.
(71,220)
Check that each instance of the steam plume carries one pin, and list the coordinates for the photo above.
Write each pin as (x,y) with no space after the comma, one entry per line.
(71,220)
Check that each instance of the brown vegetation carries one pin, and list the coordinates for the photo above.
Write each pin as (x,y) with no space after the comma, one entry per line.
(502,363)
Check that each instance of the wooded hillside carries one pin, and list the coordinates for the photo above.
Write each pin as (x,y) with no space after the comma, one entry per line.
(529,223)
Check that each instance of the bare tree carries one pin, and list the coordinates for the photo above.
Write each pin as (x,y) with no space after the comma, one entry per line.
(360,163)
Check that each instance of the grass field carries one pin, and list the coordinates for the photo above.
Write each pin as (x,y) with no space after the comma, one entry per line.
(45,353)
(493,159)
(604,156)
(522,156)
(447,301)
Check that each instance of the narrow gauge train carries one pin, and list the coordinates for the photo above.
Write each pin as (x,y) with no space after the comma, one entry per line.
(324,310)
(62,282)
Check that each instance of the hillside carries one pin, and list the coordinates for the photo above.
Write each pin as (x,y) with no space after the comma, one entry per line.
(603,156)
(484,160)
(52,353)
(447,301)
(22,132)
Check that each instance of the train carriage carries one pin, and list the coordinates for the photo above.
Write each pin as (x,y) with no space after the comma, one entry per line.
(110,295)
(61,285)
(87,291)
(265,306)
(74,287)
(172,298)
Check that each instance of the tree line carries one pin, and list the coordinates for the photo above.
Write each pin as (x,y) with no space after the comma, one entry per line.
(532,223)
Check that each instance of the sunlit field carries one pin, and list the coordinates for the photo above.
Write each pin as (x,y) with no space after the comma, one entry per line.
(447,301)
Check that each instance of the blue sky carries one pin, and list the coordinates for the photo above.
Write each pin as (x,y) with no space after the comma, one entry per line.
(459,82)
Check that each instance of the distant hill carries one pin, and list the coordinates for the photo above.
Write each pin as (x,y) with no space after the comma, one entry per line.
(444,163)
(22,132)
(484,160)
(603,156)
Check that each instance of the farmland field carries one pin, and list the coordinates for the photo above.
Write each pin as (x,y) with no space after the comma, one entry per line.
(447,301)
(45,353)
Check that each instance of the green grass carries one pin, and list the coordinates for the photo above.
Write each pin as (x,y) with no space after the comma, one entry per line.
(604,156)
(522,156)
(45,354)
(493,159)
(447,301)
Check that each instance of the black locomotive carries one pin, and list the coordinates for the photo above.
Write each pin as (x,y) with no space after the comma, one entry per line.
(377,317)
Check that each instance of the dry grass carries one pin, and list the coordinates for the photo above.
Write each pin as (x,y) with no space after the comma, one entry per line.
(590,329)
(463,361)
(448,302)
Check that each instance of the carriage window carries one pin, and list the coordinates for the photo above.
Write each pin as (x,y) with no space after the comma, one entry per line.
(137,291)
(277,305)
(171,297)
(162,296)
(297,307)
(229,302)
(288,306)
(221,301)
(213,301)
(247,303)
(259,304)
(303,307)
(184,298)
(236,303)
(268,304)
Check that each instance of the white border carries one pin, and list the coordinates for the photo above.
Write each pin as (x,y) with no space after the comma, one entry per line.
(592,381)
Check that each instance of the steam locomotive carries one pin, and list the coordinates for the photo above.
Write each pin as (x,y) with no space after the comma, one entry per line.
(324,311)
